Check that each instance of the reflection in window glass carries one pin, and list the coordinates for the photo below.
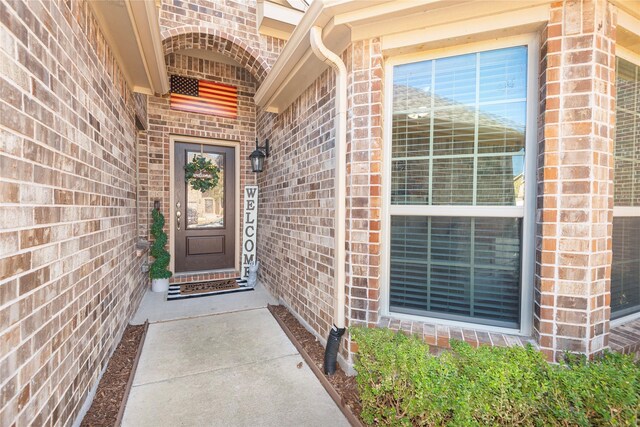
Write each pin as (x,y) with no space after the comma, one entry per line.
(500,181)
(206,210)
(452,181)
(501,127)
(453,131)
(410,182)
(625,267)
(458,138)
(455,80)
(208,206)
(458,119)
(627,143)
(502,75)
(411,118)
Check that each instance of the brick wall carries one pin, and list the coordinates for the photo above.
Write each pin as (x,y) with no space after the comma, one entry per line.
(295,222)
(573,212)
(69,274)
(144,202)
(164,122)
(229,27)
(575,201)
(575,192)
(295,266)
(364,180)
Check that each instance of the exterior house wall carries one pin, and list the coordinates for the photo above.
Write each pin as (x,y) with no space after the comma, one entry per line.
(365,217)
(165,122)
(365,67)
(296,204)
(228,29)
(574,201)
(70,276)
(231,25)
(295,233)
(70,212)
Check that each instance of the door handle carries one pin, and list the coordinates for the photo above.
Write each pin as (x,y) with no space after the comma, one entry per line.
(178,215)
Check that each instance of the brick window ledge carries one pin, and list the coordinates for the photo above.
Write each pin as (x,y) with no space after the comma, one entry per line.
(439,335)
(625,338)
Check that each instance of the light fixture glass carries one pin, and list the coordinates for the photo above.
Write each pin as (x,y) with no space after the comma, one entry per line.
(258,156)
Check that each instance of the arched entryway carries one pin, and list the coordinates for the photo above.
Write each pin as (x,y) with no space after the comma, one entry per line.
(213,40)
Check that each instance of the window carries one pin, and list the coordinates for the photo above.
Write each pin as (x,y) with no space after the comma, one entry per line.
(457,187)
(625,268)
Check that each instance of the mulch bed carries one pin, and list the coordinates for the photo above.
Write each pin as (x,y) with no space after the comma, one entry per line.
(343,384)
(112,389)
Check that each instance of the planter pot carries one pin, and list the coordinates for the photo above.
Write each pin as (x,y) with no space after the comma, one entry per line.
(160,285)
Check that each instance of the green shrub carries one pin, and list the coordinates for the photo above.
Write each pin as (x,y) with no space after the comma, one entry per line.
(161,258)
(602,393)
(500,385)
(402,384)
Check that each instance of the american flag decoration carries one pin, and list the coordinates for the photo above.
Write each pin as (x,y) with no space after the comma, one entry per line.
(201,96)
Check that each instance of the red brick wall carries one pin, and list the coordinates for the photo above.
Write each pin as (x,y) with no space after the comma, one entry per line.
(70,278)
(575,192)
(364,180)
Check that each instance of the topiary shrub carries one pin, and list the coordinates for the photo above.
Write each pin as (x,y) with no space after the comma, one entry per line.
(161,258)
(402,384)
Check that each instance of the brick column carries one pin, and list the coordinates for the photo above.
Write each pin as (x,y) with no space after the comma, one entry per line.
(364,194)
(575,175)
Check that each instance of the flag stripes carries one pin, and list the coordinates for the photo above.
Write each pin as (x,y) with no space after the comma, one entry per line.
(200,96)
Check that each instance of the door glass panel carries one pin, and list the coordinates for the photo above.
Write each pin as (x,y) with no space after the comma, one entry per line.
(206,210)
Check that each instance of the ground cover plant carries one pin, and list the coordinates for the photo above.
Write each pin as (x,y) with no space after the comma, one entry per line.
(402,384)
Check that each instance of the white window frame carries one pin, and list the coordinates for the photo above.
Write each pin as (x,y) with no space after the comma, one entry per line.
(526,212)
(626,211)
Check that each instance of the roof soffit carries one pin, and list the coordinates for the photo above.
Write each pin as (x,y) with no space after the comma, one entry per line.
(403,25)
(132,30)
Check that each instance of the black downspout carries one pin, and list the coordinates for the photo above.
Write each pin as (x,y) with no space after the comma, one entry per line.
(331,352)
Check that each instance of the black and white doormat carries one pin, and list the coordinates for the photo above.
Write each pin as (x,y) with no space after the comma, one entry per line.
(205,288)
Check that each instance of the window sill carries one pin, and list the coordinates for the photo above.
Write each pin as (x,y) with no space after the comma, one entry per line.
(625,338)
(439,336)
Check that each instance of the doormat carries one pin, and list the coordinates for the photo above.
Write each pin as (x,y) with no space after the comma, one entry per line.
(180,291)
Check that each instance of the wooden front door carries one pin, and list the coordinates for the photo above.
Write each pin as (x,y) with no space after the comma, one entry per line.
(204,223)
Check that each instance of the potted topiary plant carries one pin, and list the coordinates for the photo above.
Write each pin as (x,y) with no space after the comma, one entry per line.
(158,271)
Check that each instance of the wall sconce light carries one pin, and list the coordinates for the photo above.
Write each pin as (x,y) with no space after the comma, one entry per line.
(258,156)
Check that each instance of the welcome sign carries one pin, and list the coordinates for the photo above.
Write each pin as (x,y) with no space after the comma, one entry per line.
(249,231)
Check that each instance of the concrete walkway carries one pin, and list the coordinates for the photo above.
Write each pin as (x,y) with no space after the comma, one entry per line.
(231,369)
(155,307)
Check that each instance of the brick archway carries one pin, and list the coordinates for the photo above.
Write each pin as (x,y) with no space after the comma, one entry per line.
(211,39)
